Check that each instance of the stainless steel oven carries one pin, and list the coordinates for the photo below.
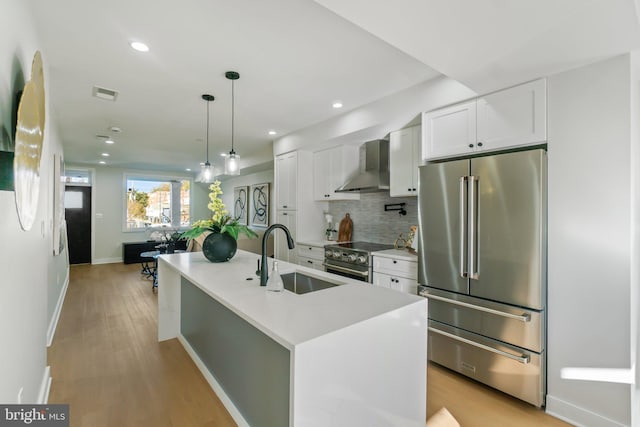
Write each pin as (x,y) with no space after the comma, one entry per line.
(352,259)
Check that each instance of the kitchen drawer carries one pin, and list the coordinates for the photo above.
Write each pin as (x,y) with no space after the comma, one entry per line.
(395,282)
(406,269)
(515,325)
(312,252)
(510,369)
(311,263)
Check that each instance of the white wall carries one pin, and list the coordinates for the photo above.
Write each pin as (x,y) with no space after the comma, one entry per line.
(108,193)
(591,239)
(378,118)
(635,251)
(254,178)
(31,277)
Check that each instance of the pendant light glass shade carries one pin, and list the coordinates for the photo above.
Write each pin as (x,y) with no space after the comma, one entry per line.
(232,161)
(232,164)
(207,171)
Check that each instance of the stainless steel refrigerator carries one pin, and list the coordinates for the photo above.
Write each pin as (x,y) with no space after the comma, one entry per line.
(482,265)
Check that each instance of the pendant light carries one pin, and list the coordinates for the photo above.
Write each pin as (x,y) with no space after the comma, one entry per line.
(207,173)
(232,160)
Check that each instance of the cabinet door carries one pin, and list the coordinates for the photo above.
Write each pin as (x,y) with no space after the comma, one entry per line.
(395,282)
(321,174)
(288,219)
(286,171)
(449,131)
(311,263)
(331,169)
(381,279)
(513,117)
(345,164)
(404,159)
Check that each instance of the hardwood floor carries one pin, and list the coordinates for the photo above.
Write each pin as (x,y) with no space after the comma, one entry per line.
(107,364)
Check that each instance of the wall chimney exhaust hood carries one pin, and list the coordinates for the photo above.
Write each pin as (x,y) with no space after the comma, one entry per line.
(374,170)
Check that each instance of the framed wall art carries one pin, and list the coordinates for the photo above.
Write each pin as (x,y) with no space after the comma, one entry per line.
(58,204)
(259,202)
(241,204)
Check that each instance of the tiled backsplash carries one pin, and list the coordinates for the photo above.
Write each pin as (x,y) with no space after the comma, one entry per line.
(370,222)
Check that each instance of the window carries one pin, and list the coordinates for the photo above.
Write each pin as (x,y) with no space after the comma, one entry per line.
(77,177)
(157,202)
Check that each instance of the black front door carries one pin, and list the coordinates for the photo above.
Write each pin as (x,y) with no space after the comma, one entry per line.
(77,211)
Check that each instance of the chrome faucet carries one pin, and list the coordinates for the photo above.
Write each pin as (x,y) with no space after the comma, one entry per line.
(264,275)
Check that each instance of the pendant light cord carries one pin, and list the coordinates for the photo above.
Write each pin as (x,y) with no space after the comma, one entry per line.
(208,131)
(233,109)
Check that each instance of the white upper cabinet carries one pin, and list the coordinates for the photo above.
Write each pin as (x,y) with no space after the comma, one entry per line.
(449,131)
(331,169)
(505,119)
(404,160)
(286,172)
(513,117)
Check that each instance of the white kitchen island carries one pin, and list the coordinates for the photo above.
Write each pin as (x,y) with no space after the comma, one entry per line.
(350,355)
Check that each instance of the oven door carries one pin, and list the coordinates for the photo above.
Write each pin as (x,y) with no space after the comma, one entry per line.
(361,273)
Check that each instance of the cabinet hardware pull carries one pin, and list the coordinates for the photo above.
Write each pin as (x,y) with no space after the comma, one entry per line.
(395,262)
(524,359)
(479,144)
(470,145)
(524,317)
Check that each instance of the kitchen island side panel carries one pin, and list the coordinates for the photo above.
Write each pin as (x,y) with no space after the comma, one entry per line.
(371,373)
(252,369)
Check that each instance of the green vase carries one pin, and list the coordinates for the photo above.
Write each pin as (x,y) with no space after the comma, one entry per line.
(219,247)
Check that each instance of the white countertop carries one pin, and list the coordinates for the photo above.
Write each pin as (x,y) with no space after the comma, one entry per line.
(402,254)
(286,317)
(316,243)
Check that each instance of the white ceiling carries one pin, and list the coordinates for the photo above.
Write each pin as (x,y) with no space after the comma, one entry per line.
(295,58)
(491,44)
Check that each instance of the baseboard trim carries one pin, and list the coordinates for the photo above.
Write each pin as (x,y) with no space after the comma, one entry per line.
(106,260)
(577,415)
(53,323)
(45,386)
(213,383)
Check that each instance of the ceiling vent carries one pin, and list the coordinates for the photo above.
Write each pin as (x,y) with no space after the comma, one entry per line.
(104,93)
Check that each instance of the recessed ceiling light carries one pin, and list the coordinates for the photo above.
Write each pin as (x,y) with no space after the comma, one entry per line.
(201,163)
(272,132)
(139,46)
(102,162)
(223,154)
(188,169)
(105,154)
(337,104)
(109,141)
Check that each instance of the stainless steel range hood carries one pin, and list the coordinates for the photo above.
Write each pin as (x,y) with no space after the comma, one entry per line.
(374,170)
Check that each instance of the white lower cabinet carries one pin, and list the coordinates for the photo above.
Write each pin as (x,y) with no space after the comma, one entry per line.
(311,256)
(395,272)
(395,282)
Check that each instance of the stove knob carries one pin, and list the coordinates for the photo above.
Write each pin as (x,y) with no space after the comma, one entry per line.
(328,254)
(337,254)
(362,259)
(352,257)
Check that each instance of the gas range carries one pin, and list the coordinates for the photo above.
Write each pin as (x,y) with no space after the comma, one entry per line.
(352,259)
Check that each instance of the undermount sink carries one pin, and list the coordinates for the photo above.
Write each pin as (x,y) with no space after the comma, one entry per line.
(301,283)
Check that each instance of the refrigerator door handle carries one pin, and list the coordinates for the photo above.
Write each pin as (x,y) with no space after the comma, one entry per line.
(524,317)
(474,183)
(463,227)
(524,359)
